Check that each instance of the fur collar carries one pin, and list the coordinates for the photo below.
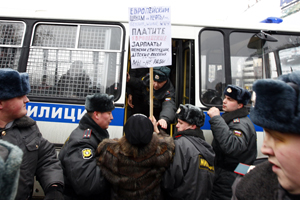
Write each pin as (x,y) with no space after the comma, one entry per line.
(229,116)
(191,132)
(260,182)
(24,121)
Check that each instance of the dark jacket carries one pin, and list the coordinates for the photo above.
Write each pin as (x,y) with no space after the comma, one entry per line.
(234,142)
(135,172)
(39,158)
(83,179)
(260,183)
(191,174)
(163,101)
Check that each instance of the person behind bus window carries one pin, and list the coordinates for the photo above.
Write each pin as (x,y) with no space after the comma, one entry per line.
(75,83)
(134,164)
(276,108)
(39,157)
(163,95)
(191,173)
(83,179)
(234,139)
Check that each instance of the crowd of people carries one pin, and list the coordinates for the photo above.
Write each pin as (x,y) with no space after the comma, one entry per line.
(147,162)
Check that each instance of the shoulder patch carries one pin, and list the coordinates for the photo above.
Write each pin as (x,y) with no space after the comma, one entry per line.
(168,99)
(87,133)
(203,164)
(237,133)
(87,153)
(236,120)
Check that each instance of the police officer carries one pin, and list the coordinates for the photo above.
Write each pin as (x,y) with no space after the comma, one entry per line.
(164,107)
(39,157)
(234,139)
(191,173)
(83,177)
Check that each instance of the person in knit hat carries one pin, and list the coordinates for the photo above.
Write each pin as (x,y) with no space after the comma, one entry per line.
(135,163)
(234,139)
(18,129)
(276,108)
(193,162)
(164,107)
(83,178)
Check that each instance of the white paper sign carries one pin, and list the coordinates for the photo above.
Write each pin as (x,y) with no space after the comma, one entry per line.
(150,37)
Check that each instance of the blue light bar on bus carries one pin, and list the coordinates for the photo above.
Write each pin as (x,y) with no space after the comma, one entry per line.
(272,20)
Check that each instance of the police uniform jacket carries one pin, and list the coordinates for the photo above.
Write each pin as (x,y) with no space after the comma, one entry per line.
(39,156)
(191,174)
(163,101)
(83,178)
(260,183)
(135,172)
(234,142)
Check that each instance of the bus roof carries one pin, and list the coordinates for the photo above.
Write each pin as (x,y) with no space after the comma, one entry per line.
(188,14)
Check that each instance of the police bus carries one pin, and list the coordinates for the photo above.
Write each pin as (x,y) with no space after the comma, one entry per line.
(58,47)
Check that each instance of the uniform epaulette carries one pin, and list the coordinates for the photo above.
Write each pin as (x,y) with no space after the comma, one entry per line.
(87,133)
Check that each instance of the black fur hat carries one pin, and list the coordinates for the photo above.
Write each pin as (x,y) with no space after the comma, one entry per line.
(238,93)
(99,102)
(161,73)
(13,84)
(276,103)
(191,114)
(138,130)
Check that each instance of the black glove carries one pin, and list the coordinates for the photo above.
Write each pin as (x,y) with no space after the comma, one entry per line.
(55,193)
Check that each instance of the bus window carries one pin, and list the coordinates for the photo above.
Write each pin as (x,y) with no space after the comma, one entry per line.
(290,59)
(246,63)
(70,61)
(213,64)
(11,35)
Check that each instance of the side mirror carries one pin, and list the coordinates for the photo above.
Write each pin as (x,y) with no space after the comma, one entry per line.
(258,40)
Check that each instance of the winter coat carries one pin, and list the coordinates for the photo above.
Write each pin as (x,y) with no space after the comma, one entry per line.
(10,162)
(135,172)
(260,183)
(39,156)
(163,101)
(83,178)
(234,142)
(191,174)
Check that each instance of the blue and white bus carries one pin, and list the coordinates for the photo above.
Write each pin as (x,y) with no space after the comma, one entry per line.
(205,58)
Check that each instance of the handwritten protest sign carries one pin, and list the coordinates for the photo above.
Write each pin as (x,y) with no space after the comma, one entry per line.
(150,37)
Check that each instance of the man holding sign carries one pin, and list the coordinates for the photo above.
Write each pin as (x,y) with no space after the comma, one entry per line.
(151,47)
(164,107)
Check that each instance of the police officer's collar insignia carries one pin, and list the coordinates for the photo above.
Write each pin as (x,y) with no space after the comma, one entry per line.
(156,77)
(87,153)
(178,111)
(236,120)
(87,134)
(229,90)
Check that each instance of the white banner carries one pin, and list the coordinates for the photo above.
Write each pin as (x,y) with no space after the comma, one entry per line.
(150,37)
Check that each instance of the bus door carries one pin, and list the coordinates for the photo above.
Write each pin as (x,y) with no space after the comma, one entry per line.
(183,73)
